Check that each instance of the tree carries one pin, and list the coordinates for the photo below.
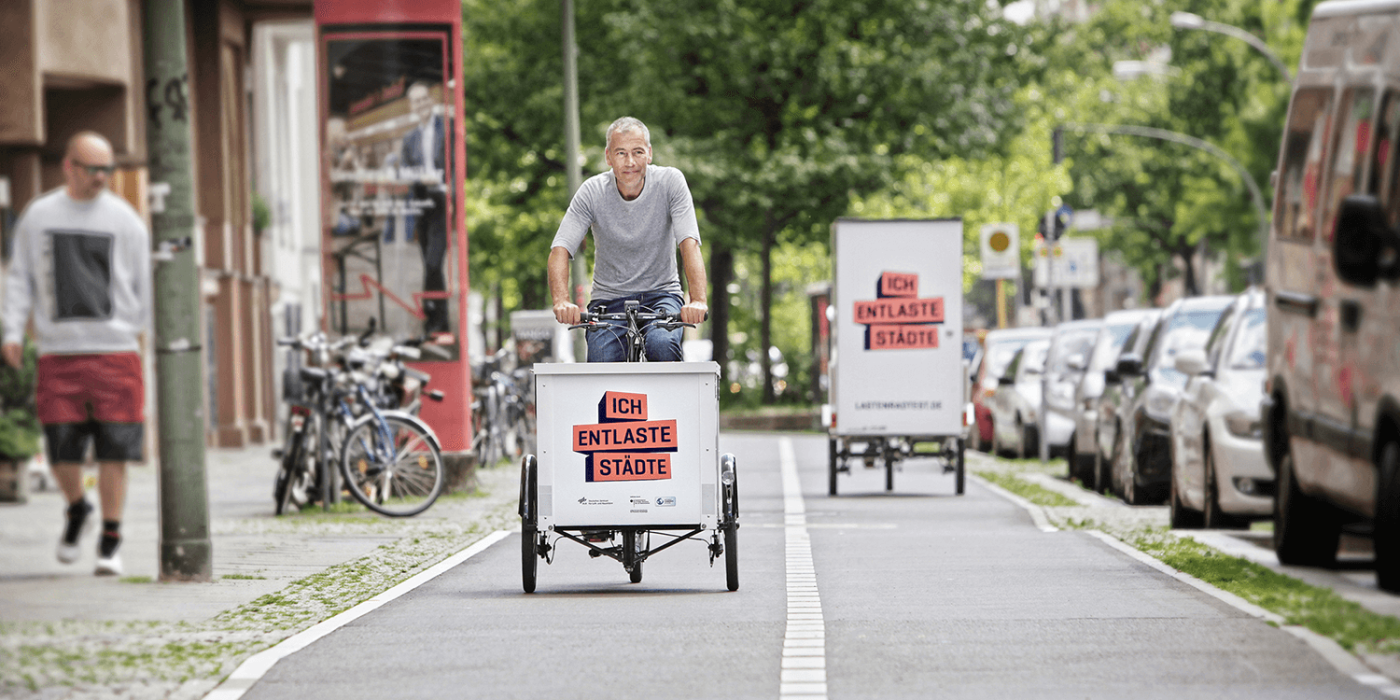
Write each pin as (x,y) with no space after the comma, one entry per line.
(780,111)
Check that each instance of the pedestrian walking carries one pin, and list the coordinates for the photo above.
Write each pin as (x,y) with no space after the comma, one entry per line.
(81,272)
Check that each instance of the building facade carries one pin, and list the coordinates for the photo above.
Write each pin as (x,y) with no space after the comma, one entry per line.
(72,65)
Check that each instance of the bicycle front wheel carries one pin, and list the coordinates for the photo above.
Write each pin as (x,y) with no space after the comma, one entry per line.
(392,466)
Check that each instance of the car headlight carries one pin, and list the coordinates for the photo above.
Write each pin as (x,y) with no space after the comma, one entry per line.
(1159,403)
(1242,424)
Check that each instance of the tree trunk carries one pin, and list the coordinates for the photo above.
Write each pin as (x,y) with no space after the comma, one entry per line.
(1189,273)
(721,274)
(766,310)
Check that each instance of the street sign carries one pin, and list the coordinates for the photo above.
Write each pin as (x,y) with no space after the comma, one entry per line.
(1072,262)
(1001,251)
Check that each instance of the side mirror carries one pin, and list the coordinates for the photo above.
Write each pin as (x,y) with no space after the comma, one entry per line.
(1129,365)
(1365,246)
(1077,362)
(1192,362)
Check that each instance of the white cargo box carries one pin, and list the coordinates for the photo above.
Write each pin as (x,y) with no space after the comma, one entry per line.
(896,367)
(628,445)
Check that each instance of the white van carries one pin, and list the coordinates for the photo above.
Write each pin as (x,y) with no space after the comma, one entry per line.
(1331,414)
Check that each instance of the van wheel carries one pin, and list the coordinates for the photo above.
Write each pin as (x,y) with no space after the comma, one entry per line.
(1387,523)
(1306,530)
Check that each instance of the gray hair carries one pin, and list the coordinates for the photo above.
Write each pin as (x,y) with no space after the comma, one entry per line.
(624,124)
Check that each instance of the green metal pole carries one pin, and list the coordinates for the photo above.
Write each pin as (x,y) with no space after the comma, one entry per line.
(571,151)
(186,553)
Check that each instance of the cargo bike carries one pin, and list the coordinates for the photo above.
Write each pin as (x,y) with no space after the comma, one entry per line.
(628,461)
(897,377)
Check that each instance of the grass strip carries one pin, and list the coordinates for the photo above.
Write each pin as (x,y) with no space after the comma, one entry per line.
(1319,609)
(1034,493)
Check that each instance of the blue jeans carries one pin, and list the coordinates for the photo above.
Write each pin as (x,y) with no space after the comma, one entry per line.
(610,345)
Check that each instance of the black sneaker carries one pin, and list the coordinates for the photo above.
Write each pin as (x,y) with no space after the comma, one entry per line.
(79,524)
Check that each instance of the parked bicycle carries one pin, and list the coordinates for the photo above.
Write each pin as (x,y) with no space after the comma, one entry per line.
(503,411)
(356,415)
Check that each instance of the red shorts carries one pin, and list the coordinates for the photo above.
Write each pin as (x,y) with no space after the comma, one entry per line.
(106,388)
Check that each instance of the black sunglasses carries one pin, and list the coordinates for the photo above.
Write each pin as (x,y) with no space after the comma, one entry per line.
(94,169)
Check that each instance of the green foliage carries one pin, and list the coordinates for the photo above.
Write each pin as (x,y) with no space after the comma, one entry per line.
(19,424)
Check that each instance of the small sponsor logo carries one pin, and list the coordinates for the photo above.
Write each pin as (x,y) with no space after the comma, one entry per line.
(638,510)
(594,502)
(666,501)
(636,501)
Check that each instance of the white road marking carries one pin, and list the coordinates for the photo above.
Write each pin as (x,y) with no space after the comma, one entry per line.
(804,645)
(256,666)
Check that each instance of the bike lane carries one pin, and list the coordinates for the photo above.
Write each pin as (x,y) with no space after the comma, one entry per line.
(928,594)
(586,633)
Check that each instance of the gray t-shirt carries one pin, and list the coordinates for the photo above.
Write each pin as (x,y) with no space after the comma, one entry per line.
(636,241)
(84,270)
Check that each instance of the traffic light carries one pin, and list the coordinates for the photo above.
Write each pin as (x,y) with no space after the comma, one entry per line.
(1061,223)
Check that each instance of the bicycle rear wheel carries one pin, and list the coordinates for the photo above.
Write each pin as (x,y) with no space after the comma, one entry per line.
(393,467)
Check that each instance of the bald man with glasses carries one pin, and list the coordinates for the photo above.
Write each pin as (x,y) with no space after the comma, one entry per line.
(81,271)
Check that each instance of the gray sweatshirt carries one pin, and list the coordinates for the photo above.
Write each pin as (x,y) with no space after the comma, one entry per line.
(636,241)
(84,270)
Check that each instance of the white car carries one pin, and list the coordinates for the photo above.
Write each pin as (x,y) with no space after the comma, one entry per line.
(1220,478)
(1016,400)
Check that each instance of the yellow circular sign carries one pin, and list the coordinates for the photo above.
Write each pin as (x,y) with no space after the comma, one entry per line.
(999,241)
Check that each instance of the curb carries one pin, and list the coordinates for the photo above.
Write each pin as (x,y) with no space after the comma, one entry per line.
(255,667)
(1344,661)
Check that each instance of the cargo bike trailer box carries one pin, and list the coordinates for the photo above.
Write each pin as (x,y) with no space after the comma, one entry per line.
(629,449)
(897,373)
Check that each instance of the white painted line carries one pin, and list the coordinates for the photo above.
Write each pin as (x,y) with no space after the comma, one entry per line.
(255,667)
(1037,513)
(803,662)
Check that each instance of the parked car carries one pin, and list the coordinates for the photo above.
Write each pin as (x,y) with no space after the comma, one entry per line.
(1064,365)
(998,348)
(1219,478)
(1143,467)
(1085,456)
(1116,394)
(1016,400)
(1332,275)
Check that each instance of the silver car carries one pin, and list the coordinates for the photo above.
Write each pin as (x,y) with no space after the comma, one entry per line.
(1084,457)
(1016,400)
(1220,478)
(1064,365)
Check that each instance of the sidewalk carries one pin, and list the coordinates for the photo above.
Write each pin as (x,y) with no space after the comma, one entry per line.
(67,633)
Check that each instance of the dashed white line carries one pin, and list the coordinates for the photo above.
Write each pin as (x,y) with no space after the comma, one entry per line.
(804,644)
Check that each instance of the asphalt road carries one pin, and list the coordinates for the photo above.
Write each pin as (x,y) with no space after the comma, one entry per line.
(920,593)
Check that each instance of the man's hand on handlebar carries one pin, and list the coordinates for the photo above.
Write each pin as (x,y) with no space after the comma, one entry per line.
(566,313)
(695,312)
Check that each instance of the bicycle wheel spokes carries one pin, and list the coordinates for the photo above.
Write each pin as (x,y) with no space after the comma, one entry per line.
(393,468)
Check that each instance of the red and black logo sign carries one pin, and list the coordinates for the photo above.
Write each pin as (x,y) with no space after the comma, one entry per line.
(623,445)
(898,319)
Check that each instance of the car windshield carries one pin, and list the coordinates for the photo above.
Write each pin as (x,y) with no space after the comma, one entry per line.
(1000,354)
(1248,350)
(1186,330)
(1069,344)
(1108,347)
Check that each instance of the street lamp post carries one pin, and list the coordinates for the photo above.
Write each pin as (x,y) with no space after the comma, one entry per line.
(1188,20)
